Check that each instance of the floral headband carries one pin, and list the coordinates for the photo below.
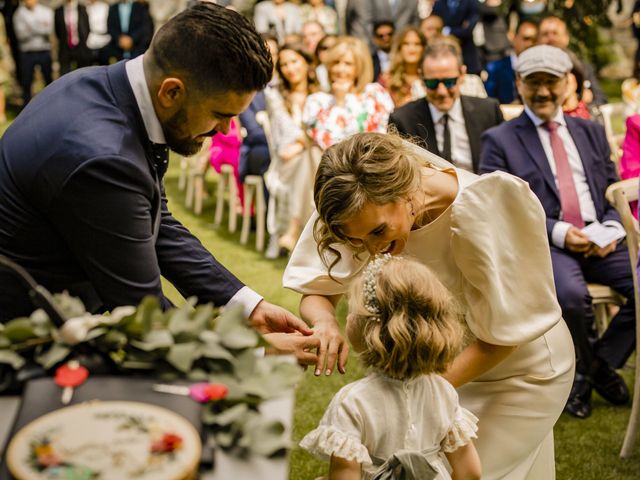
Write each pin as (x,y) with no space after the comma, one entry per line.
(370,275)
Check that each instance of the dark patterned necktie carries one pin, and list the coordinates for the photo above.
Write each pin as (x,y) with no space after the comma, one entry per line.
(446,138)
(160,158)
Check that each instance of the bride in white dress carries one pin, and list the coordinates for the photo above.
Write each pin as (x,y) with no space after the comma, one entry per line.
(485,238)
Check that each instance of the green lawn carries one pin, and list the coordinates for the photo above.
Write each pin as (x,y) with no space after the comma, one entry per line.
(585,449)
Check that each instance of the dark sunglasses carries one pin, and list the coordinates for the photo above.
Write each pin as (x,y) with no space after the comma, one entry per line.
(432,83)
(384,35)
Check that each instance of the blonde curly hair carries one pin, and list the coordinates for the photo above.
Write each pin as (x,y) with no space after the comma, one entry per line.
(417,328)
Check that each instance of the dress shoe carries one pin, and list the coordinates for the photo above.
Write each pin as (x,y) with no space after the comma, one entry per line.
(609,384)
(579,403)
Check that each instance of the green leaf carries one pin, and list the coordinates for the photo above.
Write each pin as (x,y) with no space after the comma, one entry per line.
(69,306)
(143,319)
(154,340)
(227,417)
(114,340)
(182,355)
(239,338)
(53,355)
(95,333)
(216,351)
(244,364)
(19,330)
(11,358)
(266,437)
(4,342)
(230,319)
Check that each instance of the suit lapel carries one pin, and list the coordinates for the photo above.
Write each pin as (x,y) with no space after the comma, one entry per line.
(528,135)
(427,124)
(473,132)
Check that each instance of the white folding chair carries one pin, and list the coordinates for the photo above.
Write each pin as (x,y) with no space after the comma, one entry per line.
(619,195)
(613,117)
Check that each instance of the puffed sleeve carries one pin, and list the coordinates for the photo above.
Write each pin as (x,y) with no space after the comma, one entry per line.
(307,274)
(499,243)
(339,432)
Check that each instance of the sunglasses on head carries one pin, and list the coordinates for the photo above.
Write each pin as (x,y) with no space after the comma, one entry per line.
(432,83)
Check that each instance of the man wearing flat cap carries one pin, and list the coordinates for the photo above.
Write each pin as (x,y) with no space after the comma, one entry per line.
(566,162)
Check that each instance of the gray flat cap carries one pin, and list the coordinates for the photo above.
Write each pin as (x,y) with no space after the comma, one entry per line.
(543,58)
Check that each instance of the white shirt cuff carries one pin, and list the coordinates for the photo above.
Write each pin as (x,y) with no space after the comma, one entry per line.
(247,298)
(617,225)
(559,233)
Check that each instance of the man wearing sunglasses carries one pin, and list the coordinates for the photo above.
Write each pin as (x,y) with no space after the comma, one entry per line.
(449,123)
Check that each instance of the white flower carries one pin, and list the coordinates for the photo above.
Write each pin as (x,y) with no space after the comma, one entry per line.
(75,329)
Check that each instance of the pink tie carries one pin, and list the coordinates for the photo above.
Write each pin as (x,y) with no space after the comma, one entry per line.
(568,194)
(71,32)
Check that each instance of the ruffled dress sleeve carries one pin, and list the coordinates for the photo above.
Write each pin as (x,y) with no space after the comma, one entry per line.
(339,432)
(462,431)
(500,245)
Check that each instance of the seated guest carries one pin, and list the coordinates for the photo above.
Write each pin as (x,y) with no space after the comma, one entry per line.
(312,32)
(630,160)
(72,30)
(278,17)
(566,162)
(431,27)
(450,124)
(225,150)
(573,104)
(472,85)
(403,81)
(317,11)
(33,25)
(354,104)
(130,27)
(320,61)
(382,40)
(290,176)
(501,77)
(553,31)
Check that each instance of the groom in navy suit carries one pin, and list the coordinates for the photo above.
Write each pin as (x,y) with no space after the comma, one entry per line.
(567,164)
(82,204)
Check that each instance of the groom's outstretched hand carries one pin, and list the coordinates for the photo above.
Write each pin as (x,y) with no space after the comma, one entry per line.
(270,318)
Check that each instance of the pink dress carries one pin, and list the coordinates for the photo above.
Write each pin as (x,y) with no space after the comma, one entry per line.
(630,161)
(225,150)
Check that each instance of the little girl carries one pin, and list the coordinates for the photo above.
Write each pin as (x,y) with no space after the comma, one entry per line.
(398,420)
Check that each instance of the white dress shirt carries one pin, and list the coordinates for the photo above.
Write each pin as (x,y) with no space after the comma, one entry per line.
(245,297)
(587,207)
(98,12)
(33,28)
(460,147)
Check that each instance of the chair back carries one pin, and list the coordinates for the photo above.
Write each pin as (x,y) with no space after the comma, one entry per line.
(619,195)
(613,117)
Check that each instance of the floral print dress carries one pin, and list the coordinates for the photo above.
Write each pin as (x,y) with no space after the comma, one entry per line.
(327,123)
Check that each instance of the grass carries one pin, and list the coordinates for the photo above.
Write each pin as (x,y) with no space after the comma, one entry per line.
(585,449)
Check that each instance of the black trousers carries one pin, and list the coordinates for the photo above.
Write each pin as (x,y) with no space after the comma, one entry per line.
(28,63)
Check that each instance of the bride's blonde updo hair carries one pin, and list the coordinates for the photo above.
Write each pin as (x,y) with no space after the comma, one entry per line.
(403,320)
(364,168)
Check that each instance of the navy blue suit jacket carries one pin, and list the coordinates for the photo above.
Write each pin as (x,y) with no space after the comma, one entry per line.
(462,21)
(82,206)
(515,147)
(140,30)
(501,80)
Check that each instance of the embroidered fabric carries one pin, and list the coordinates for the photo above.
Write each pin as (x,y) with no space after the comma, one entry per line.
(464,428)
(325,441)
